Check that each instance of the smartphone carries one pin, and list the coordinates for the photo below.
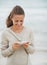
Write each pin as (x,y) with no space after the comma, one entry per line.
(22,42)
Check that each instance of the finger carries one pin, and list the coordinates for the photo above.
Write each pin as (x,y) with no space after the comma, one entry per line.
(16,43)
(26,44)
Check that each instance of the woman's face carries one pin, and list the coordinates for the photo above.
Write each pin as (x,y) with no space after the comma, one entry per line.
(18,20)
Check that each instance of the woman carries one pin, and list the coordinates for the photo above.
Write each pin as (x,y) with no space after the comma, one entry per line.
(17,42)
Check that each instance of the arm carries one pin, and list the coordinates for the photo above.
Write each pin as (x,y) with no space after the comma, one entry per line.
(30,49)
(6,51)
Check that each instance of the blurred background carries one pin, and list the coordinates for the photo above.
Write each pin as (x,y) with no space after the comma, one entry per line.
(36,19)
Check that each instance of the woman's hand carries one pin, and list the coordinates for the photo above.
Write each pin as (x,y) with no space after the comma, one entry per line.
(25,45)
(15,46)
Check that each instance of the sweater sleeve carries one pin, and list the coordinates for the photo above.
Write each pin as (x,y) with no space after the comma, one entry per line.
(6,50)
(30,49)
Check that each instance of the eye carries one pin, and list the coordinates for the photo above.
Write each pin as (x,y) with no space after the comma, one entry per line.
(21,20)
(16,21)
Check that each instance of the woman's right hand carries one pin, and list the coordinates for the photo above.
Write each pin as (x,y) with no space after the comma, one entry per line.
(15,46)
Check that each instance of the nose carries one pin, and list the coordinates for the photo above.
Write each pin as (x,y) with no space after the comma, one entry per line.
(19,23)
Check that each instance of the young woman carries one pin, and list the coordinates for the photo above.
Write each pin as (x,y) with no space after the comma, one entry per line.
(17,40)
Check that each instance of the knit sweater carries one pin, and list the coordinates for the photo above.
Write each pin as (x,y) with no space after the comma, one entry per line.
(19,56)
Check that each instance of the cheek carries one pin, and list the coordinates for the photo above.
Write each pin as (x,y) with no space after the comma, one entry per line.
(14,23)
(22,23)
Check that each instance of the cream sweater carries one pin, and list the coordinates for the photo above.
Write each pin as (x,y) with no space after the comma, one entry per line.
(19,56)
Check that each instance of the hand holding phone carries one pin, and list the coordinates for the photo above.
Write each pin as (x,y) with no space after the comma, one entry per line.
(15,46)
(25,44)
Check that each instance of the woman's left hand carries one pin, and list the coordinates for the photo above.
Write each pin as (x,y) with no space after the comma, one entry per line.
(25,45)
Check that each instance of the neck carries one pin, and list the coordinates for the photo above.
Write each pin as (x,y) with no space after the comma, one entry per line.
(17,29)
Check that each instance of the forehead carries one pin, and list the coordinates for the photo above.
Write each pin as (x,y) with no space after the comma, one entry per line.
(18,16)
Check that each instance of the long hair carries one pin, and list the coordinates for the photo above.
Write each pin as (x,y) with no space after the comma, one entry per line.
(17,10)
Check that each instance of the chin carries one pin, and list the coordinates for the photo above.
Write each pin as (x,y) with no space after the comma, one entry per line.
(18,27)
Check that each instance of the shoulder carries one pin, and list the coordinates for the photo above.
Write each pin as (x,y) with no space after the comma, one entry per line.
(4,32)
(28,29)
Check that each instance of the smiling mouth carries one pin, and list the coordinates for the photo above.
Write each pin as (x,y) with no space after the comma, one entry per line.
(18,25)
